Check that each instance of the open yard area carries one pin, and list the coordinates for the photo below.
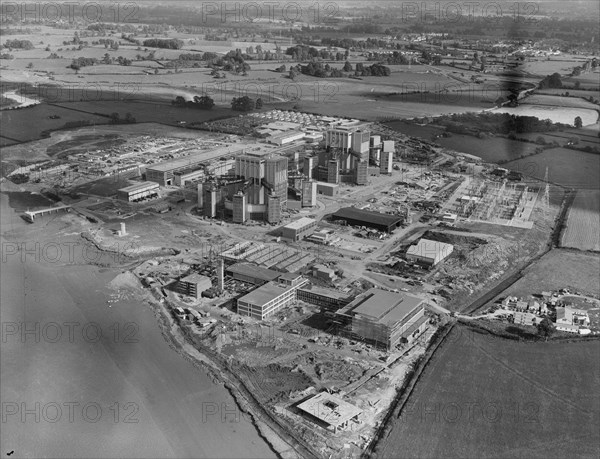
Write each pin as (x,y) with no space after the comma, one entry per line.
(482,396)
(583,223)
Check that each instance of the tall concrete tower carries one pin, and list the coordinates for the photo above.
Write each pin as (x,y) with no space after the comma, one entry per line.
(220,274)
(200,197)
(240,202)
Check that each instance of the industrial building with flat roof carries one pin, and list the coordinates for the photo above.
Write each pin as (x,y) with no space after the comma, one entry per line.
(428,252)
(330,411)
(163,173)
(251,273)
(268,299)
(297,229)
(193,285)
(328,299)
(382,318)
(138,191)
(359,217)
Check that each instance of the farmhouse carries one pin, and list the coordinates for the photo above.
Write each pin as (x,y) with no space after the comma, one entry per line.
(571,319)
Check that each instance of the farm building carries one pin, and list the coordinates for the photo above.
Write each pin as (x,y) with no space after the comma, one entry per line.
(382,318)
(193,285)
(138,191)
(572,318)
(359,217)
(330,411)
(429,252)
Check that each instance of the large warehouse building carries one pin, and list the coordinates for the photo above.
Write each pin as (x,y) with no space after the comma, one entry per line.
(382,318)
(428,252)
(138,191)
(359,217)
(164,173)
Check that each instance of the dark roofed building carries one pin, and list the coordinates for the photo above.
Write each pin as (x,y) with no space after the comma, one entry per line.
(377,220)
(251,273)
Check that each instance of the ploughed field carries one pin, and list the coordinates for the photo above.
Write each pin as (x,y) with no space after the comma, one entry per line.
(583,223)
(483,396)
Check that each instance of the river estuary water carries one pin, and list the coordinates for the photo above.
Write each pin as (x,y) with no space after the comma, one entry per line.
(69,392)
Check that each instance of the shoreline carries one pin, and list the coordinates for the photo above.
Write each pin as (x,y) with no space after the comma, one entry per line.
(176,339)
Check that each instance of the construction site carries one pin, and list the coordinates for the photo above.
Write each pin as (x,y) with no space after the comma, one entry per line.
(498,202)
(303,269)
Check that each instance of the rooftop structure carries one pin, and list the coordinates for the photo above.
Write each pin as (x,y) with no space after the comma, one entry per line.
(330,411)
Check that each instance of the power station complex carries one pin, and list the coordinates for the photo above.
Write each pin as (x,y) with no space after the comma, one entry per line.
(253,185)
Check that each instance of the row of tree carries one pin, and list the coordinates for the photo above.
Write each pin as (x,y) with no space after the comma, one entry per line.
(246,104)
(320,70)
(164,43)
(240,104)
(199,102)
(498,123)
(18,44)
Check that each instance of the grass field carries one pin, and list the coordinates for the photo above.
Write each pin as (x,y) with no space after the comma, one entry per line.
(583,222)
(559,268)
(566,167)
(28,123)
(487,397)
(556,114)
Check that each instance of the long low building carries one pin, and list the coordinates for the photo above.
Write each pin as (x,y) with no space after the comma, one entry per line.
(266,300)
(359,217)
(327,299)
(138,191)
(428,252)
(251,273)
(382,318)
(163,173)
